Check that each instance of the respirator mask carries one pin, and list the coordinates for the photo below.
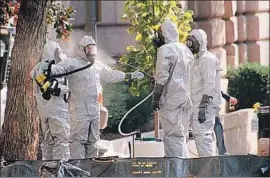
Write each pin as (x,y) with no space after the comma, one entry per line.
(91,52)
(193,44)
(159,40)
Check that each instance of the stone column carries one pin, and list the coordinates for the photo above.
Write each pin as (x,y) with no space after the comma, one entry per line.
(257,25)
(231,33)
(253,31)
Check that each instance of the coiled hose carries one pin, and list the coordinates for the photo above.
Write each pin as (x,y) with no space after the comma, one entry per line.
(124,117)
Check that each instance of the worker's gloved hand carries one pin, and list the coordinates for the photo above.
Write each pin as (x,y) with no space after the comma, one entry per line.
(157,94)
(137,75)
(152,82)
(201,115)
(203,107)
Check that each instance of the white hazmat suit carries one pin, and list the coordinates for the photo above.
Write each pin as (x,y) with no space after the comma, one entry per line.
(205,80)
(84,107)
(171,72)
(55,127)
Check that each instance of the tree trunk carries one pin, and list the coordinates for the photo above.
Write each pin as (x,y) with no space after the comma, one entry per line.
(19,138)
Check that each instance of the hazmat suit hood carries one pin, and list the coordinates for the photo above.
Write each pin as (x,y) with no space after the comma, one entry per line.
(49,52)
(201,36)
(169,31)
(85,41)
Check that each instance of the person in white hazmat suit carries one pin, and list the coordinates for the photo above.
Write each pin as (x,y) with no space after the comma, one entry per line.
(54,118)
(85,87)
(205,93)
(170,94)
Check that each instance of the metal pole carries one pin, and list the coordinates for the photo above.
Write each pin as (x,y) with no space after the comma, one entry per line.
(156,124)
(90,18)
(0,113)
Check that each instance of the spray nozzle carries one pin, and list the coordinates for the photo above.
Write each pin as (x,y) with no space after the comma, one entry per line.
(137,68)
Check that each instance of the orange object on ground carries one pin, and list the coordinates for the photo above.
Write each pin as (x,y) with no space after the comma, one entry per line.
(100,99)
(104,114)
(264,147)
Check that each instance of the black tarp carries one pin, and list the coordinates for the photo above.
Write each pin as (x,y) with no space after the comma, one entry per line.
(220,166)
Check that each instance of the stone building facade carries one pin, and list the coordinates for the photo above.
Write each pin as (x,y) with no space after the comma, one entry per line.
(238,31)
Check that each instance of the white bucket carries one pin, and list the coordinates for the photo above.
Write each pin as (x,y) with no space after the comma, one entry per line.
(148,149)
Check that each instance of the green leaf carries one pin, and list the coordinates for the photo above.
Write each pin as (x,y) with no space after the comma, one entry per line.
(190,12)
(123,59)
(138,37)
(68,27)
(174,18)
(59,36)
(56,24)
(134,92)
(144,14)
(131,30)
(124,16)
(130,48)
(173,3)
(70,10)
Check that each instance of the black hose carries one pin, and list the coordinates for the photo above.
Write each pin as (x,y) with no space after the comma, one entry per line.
(72,72)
